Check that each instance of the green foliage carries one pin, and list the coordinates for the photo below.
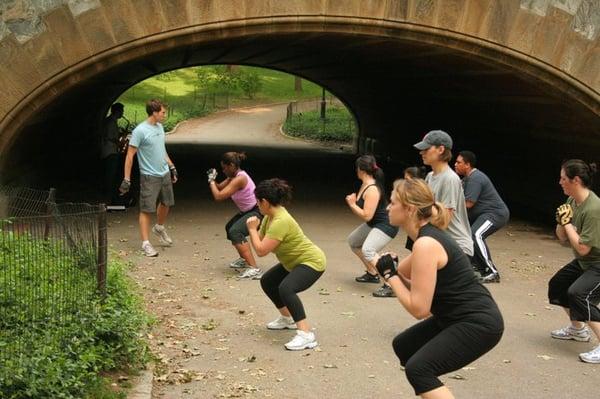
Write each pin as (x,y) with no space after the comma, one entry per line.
(338,125)
(198,91)
(62,357)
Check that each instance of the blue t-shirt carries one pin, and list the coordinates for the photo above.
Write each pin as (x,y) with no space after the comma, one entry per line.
(479,189)
(151,152)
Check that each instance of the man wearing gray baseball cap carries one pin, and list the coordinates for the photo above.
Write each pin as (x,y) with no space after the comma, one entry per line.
(435,150)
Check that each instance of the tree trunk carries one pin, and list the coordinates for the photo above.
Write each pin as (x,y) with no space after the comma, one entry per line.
(298,84)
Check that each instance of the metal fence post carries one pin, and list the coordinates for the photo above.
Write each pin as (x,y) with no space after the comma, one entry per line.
(50,206)
(102,250)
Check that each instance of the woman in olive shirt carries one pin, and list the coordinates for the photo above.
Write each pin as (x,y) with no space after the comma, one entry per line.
(301,263)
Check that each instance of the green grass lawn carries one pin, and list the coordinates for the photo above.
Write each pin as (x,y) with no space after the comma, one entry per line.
(179,90)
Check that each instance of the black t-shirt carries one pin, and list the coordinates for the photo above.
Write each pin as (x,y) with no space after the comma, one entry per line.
(458,295)
(380,219)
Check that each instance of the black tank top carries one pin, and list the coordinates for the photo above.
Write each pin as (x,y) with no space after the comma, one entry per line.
(458,295)
(380,219)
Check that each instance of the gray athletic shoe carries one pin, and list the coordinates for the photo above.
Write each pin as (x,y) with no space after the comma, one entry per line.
(569,332)
(162,235)
(239,263)
(149,250)
(252,273)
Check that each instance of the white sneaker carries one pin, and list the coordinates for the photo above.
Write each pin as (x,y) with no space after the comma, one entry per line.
(592,356)
(252,273)
(569,332)
(281,323)
(149,250)
(161,232)
(302,340)
(239,263)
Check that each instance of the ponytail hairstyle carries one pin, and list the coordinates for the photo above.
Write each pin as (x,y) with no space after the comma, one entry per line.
(275,191)
(577,168)
(417,193)
(233,158)
(416,172)
(368,164)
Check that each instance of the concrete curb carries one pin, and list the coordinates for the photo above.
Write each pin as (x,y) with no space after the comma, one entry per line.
(142,386)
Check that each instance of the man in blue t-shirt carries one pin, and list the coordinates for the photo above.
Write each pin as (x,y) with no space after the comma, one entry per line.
(487,213)
(157,174)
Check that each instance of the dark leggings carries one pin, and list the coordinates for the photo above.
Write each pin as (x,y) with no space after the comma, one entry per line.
(427,350)
(282,286)
(577,290)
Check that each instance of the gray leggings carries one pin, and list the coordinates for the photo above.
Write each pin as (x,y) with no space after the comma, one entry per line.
(369,240)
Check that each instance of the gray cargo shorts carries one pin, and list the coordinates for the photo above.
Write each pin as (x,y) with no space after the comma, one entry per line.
(155,189)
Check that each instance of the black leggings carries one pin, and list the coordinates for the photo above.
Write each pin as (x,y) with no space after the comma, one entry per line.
(282,286)
(427,350)
(577,290)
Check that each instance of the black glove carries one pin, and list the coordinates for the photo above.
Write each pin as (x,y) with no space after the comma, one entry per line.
(124,187)
(173,171)
(387,266)
(564,214)
(211,174)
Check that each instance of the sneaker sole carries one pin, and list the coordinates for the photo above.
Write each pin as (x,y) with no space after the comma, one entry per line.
(571,338)
(589,361)
(283,328)
(307,346)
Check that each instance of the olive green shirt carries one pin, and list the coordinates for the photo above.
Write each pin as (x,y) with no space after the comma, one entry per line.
(586,218)
(294,247)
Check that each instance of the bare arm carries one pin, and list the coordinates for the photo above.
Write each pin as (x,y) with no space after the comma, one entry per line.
(469,204)
(371,197)
(427,256)
(262,245)
(131,151)
(234,185)
(573,238)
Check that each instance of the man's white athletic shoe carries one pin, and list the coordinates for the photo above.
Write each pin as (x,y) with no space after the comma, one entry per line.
(281,323)
(162,235)
(592,356)
(569,332)
(239,263)
(252,273)
(302,340)
(149,250)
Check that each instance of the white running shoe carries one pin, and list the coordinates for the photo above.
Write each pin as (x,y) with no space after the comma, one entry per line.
(149,250)
(592,356)
(252,273)
(162,235)
(302,340)
(569,332)
(239,263)
(282,323)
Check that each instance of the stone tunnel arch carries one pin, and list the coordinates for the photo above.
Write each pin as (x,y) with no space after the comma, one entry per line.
(530,69)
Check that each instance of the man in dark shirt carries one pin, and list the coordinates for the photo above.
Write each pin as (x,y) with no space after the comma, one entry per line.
(487,213)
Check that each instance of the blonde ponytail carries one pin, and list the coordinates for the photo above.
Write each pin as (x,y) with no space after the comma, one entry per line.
(440,217)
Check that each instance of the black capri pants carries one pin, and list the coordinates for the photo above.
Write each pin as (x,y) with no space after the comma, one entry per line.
(282,287)
(236,228)
(428,350)
(578,290)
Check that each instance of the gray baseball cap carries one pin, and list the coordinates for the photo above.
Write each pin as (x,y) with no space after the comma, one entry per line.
(435,138)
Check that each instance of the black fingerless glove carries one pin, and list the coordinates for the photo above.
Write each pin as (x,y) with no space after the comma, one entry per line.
(124,187)
(387,266)
(173,171)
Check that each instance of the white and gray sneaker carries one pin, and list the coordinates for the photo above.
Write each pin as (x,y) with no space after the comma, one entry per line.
(282,323)
(302,340)
(239,263)
(149,250)
(252,273)
(570,332)
(162,235)
(592,356)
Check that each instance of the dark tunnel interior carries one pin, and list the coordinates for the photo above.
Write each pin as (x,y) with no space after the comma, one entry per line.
(520,126)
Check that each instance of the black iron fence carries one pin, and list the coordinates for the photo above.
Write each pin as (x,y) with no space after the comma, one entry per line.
(52,267)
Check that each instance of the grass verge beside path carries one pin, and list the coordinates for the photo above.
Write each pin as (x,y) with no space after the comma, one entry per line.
(338,126)
(72,357)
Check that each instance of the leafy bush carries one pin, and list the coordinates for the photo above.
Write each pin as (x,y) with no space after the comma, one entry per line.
(65,355)
(338,125)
